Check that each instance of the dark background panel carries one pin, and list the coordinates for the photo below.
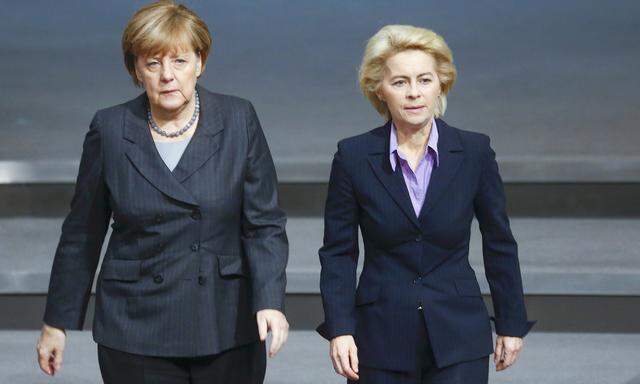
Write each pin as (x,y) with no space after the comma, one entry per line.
(542,78)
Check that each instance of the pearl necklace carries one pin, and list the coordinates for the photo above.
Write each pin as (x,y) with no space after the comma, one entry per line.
(184,129)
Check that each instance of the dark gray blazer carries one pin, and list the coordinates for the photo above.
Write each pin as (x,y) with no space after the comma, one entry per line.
(194,252)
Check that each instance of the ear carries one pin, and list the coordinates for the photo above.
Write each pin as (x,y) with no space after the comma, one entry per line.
(138,75)
(137,71)
(199,65)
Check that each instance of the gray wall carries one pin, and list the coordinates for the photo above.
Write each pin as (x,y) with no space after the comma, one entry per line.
(557,78)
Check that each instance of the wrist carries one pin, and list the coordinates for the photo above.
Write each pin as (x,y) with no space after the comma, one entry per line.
(50,329)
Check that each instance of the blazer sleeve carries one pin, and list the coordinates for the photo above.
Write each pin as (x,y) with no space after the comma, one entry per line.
(339,254)
(264,237)
(83,232)
(500,251)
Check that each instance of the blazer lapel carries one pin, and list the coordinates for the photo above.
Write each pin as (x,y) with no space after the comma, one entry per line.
(450,154)
(392,181)
(144,156)
(205,141)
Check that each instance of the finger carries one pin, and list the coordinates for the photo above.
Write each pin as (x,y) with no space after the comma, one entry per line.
(501,365)
(276,341)
(346,367)
(510,358)
(285,333)
(353,357)
(57,360)
(262,328)
(52,366)
(335,359)
(43,361)
(497,356)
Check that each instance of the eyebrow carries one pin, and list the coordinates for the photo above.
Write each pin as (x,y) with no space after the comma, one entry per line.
(171,55)
(406,77)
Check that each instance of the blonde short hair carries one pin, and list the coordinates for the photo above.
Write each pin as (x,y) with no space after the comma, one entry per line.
(162,27)
(392,39)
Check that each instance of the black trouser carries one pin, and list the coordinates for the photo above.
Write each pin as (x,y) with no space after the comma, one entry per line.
(244,364)
(426,372)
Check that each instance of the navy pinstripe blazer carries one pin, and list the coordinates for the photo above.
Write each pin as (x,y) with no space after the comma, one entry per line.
(194,252)
(413,260)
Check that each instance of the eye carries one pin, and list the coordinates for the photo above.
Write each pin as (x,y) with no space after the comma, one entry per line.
(425,80)
(153,64)
(181,61)
(398,83)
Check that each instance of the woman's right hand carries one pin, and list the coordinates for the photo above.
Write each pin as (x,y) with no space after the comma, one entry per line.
(50,348)
(344,356)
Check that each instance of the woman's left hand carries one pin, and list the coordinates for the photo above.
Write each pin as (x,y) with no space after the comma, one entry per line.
(274,321)
(507,350)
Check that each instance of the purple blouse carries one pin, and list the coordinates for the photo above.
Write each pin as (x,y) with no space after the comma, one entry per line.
(417,182)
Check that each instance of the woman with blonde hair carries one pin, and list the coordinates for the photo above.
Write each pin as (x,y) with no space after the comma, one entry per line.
(193,277)
(412,187)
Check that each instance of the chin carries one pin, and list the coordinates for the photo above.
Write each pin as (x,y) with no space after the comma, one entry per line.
(417,121)
(170,105)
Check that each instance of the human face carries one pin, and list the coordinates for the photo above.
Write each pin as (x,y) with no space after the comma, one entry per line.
(169,79)
(410,88)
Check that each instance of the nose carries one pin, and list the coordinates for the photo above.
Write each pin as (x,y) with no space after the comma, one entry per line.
(167,73)
(412,91)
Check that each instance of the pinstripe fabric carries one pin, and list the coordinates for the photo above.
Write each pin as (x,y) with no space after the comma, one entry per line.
(417,259)
(194,252)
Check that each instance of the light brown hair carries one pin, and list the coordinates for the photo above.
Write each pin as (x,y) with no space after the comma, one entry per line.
(163,27)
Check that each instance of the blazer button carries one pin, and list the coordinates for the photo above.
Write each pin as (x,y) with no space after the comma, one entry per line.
(417,280)
(158,279)
(195,247)
(419,238)
(196,215)
(202,280)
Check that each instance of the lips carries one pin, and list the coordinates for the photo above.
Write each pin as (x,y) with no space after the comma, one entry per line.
(416,108)
(170,91)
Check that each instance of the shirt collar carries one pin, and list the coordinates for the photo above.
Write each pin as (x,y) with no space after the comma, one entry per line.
(432,144)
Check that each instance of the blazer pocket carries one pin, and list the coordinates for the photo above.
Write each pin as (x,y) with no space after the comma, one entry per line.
(468,287)
(367,295)
(121,270)
(231,265)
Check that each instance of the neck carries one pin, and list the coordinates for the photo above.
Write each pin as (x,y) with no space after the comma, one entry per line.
(173,118)
(413,137)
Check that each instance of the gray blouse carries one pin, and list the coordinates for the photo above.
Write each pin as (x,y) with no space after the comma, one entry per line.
(171,151)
